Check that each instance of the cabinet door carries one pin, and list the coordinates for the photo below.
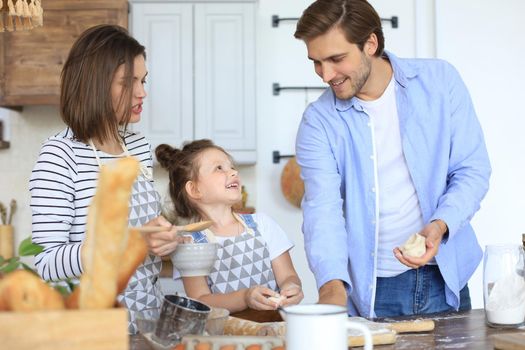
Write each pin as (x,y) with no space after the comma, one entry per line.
(225,77)
(166,32)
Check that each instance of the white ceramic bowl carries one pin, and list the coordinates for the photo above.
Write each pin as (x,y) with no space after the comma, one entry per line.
(194,259)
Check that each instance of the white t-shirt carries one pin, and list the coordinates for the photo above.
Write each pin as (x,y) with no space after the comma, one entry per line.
(400,215)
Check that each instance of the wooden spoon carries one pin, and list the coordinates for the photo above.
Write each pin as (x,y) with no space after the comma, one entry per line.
(195,226)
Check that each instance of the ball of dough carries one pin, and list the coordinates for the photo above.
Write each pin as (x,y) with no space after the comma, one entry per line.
(277,299)
(414,246)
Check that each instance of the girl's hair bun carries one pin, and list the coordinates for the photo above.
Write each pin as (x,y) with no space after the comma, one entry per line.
(166,155)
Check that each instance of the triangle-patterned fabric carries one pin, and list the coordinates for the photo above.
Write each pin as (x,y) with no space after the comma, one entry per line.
(242,262)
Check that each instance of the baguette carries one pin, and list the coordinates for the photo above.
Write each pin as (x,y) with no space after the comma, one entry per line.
(106,235)
(134,254)
(238,326)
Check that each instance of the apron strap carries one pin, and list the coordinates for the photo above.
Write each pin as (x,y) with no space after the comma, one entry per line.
(146,172)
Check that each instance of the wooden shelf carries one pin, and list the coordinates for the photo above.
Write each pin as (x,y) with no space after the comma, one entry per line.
(31,61)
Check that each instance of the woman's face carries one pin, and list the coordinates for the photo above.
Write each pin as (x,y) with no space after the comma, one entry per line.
(138,91)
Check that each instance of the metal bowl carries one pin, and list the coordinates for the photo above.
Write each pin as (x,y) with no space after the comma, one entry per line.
(180,316)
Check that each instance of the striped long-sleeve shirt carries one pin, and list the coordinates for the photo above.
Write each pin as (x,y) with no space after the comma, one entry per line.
(62,185)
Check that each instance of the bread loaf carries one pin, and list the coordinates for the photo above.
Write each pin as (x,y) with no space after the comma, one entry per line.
(22,290)
(134,254)
(237,326)
(106,235)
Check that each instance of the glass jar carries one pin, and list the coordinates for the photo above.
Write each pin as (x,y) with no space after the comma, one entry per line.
(504,285)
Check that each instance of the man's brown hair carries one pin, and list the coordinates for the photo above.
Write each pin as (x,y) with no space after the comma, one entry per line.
(357,18)
(86,104)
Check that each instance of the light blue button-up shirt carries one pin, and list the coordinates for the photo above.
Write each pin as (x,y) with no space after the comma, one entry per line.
(447,159)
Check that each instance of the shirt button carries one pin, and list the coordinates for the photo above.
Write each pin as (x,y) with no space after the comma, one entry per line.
(373,222)
(373,189)
(372,157)
(372,254)
(369,124)
(371,286)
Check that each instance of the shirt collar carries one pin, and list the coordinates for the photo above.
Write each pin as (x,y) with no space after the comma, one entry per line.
(403,71)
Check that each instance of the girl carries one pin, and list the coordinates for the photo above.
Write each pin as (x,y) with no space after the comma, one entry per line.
(102,90)
(253,262)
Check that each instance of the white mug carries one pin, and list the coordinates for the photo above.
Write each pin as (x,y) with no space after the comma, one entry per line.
(320,326)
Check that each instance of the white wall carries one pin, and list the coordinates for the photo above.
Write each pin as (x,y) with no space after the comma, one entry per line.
(483,39)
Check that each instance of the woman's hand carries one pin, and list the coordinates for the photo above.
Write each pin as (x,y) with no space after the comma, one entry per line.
(163,242)
(256,298)
(293,294)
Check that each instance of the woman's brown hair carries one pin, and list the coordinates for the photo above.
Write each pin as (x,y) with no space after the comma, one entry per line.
(357,18)
(183,166)
(85,93)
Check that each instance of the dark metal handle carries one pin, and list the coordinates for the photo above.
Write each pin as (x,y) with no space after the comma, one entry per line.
(276,88)
(394,20)
(276,155)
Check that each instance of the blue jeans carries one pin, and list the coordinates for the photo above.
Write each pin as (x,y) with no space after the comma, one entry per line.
(414,292)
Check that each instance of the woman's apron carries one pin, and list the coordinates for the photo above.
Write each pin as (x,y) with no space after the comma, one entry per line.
(143,290)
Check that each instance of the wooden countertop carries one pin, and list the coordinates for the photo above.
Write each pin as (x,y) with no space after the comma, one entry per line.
(466,330)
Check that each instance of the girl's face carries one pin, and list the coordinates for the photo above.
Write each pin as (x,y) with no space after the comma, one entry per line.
(138,91)
(218,181)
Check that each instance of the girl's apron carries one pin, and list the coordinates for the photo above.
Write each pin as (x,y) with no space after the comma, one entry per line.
(143,290)
(242,261)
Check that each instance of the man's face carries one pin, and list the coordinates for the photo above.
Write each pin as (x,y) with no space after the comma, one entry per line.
(339,63)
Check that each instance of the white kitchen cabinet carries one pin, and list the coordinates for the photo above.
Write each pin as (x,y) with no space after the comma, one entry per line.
(201,81)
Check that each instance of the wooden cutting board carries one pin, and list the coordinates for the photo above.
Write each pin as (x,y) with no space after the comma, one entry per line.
(382,332)
(512,341)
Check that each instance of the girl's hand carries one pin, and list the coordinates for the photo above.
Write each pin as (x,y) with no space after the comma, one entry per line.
(162,243)
(293,294)
(256,298)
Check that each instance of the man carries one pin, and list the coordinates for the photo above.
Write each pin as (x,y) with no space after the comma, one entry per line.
(394,147)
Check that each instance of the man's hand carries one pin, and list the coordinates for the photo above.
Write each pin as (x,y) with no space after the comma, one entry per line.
(333,292)
(433,233)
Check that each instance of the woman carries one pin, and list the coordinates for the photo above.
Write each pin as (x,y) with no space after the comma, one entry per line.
(102,91)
